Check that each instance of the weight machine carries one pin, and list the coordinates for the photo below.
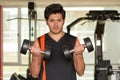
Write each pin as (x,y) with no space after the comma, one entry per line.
(103,68)
(32,16)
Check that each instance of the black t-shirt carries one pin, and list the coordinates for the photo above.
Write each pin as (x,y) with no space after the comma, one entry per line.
(58,67)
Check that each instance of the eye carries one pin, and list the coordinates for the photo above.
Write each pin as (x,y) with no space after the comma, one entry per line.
(51,20)
(59,20)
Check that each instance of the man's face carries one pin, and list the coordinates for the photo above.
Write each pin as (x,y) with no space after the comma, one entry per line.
(55,23)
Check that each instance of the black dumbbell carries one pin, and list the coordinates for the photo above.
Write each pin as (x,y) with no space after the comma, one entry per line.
(109,70)
(88,45)
(26,44)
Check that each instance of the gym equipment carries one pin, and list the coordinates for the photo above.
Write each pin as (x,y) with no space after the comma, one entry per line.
(100,16)
(96,15)
(32,16)
(26,44)
(21,77)
(109,70)
(102,67)
(17,77)
(88,45)
(14,77)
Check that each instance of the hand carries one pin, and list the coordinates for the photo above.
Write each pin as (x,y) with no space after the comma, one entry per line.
(79,49)
(35,51)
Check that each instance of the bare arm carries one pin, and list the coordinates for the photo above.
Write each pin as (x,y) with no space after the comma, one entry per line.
(36,59)
(78,58)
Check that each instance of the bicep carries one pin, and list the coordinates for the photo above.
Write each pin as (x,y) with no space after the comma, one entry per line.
(36,43)
(77,42)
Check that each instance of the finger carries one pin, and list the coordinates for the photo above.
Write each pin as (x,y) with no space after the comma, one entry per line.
(83,45)
(29,48)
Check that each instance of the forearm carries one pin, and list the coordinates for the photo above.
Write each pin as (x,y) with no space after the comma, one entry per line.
(79,64)
(35,66)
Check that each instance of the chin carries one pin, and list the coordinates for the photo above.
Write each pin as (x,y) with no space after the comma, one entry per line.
(55,32)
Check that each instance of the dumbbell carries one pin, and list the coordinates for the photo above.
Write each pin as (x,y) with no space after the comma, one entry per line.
(26,44)
(88,45)
(14,77)
(108,69)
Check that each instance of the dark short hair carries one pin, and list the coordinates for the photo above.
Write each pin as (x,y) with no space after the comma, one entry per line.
(53,9)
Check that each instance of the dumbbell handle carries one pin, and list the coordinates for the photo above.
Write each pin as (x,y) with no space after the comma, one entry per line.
(40,51)
(72,50)
(46,54)
(102,69)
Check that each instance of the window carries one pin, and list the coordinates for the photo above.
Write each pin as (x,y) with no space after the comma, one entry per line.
(10,35)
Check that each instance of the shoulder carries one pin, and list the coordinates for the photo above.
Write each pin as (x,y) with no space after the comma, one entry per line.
(39,39)
(41,36)
(71,37)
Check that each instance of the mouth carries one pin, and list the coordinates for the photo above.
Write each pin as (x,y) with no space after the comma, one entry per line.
(56,28)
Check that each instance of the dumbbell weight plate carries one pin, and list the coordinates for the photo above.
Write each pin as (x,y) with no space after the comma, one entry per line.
(25,45)
(47,53)
(109,70)
(88,44)
(66,53)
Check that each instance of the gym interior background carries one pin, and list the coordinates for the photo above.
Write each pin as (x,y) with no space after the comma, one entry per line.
(14,28)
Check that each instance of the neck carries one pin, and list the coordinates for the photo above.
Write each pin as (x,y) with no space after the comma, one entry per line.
(56,37)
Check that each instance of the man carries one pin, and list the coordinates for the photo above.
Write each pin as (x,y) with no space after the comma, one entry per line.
(57,67)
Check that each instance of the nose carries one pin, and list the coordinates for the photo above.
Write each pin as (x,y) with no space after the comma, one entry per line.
(55,23)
